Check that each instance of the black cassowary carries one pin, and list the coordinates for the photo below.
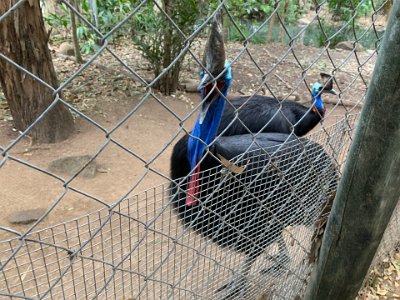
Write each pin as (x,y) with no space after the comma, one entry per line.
(267,114)
(276,180)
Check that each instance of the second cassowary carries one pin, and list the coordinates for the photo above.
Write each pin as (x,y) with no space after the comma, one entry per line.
(266,114)
(276,180)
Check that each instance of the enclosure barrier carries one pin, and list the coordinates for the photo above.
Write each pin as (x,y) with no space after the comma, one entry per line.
(132,244)
(369,189)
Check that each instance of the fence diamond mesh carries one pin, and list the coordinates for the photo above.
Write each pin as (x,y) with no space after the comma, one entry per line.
(119,235)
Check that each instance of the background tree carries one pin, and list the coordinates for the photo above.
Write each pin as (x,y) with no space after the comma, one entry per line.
(75,42)
(23,39)
(387,7)
(159,40)
(345,9)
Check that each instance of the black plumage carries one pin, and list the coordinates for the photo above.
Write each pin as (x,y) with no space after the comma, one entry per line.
(285,181)
(262,113)
(267,114)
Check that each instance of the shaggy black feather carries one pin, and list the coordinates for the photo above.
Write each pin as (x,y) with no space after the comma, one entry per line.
(262,110)
(285,182)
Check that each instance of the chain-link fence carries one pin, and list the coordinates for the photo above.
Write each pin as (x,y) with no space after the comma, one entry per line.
(122,232)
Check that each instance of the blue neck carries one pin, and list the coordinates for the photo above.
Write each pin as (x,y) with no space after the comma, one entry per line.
(203,134)
(206,131)
(317,101)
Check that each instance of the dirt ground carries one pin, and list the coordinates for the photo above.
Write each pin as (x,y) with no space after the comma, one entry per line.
(106,95)
(106,98)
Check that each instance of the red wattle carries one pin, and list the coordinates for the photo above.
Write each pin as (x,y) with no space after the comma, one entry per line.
(193,189)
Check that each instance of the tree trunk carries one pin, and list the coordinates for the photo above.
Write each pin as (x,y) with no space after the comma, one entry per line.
(94,12)
(387,7)
(75,41)
(272,22)
(369,189)
(23,39)
(283,17)
(166,83)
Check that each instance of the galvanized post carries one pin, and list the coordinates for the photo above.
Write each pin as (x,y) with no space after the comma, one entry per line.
(370,187)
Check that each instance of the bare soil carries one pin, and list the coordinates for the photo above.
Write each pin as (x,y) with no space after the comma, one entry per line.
(106,98)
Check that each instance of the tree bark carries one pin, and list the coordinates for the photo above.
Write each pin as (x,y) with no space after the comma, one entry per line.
(94,12)
(166,83)
(272,22)
(387,7)
(369,189)
(75,41)
(23,39)
(283,18)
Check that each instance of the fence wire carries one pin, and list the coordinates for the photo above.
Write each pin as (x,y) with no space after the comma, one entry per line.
(130,243)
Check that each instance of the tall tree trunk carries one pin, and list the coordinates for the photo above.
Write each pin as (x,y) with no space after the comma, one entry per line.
(387,7)
(75,41)
(167,81)
(23,39)
(272,23)
(94,12)
(283,17)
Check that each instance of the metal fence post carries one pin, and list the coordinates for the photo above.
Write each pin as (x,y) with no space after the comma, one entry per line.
(370,187)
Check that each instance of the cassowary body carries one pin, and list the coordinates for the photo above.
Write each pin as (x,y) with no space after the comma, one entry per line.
(282,179)
(285,181)
(267,114)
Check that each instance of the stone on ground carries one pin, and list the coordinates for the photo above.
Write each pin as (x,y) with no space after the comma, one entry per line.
(70,165)
(27,216)
(349,45)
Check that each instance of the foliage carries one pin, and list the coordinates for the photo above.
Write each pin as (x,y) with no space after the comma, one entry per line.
(59,20)
(250,9)
(158,39)
(293,10)
(315,37)
(330,34)
(147,34)
(346,9)
(148,25)
(247,28)
(259,10)
(88,37)
(288,10)
(111,12)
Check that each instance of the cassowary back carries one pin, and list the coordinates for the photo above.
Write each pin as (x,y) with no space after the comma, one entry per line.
(281,185)
(267,114)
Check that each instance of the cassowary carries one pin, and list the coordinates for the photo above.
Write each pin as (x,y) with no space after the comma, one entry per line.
(276,179)
(267,114)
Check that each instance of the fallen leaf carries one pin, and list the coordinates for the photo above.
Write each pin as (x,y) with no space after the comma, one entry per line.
(381,292)
(230,165)
(103,170)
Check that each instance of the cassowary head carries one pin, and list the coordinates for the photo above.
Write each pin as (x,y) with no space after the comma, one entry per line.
(318,89)
(216,67)
(213,89)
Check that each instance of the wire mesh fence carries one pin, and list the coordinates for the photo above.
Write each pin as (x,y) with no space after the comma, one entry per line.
(119,235)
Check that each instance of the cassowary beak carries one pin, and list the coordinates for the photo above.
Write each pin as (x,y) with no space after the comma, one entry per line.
(208,93)
(204,82)
(204,108)
(330,91)
(206,104)
(328,83)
